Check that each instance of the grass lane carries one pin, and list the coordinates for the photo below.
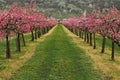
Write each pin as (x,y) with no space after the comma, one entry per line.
(58,58)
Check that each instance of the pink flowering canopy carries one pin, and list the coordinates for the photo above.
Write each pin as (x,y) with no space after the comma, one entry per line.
(104,24)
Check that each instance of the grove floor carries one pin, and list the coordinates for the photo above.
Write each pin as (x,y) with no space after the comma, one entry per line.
(58,58)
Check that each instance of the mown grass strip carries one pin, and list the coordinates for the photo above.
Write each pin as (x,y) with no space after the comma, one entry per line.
(58,58)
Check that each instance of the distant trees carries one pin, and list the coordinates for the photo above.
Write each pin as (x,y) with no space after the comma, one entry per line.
(106,3)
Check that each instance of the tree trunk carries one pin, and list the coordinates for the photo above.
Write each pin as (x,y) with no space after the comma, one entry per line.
(94,47)
(90,39)
(80,34)
(49,28)
(39,34)
(43,30)
(103,44)
(18,43)
(35,34)
(70,30)
(32,35)
(8,55)
(74,30)
(87,37)
(113,46)
(23,40)
(46,30)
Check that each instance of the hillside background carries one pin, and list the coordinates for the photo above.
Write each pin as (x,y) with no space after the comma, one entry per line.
(63,8)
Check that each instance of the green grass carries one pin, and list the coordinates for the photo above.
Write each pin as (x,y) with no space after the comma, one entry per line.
(58,58)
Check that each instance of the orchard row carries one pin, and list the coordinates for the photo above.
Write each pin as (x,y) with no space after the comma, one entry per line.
(106,24)
(17,21)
